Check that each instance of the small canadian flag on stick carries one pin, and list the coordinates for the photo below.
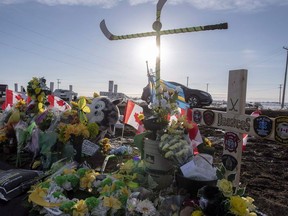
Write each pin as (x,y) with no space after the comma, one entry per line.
(131,114)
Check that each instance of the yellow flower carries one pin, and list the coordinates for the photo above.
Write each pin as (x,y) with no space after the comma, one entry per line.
(37,90)
(80,208)
(197,213)
(112,202)
(86,181)
(207,142)
(41,192)
(69,171)
(3,136)
(226,187)
(249,201)
(104,141)
(238,206)
(141,116)
(40,107)
(40,98)
(127,167)
(106,189)
(125,191)
(95,95)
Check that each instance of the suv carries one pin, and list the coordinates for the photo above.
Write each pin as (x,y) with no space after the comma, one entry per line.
(194,97)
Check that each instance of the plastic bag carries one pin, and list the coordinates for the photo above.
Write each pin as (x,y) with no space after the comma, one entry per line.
(200,168)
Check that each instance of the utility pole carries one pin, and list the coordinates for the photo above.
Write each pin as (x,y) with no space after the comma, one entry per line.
(284,86)
(280,93)
(187,81)
(58,83)
(207,85)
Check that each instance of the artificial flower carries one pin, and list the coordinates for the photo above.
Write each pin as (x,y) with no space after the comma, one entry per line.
(80,208)
(197,213)
(111,202)
(238,206)
(146,207)
(225,187)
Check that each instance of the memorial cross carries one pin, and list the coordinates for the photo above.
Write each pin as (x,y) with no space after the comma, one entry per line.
(236,123)
(157,25)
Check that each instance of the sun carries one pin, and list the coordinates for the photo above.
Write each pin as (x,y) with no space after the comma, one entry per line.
(147,50)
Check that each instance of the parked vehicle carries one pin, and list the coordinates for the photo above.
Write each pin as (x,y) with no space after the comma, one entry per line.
(194,97)
(66,95)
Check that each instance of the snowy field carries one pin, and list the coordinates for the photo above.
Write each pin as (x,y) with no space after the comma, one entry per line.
(262,105)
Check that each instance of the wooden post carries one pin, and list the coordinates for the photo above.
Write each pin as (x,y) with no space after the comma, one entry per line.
(233,142)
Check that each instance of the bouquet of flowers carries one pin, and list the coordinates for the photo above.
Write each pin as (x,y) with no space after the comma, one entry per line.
(37,91)
(224,199)
(162,108)
(174,144)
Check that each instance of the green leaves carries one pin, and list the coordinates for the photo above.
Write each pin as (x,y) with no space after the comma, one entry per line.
(83,109)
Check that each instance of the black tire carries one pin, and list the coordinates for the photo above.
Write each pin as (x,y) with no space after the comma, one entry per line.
(194,101)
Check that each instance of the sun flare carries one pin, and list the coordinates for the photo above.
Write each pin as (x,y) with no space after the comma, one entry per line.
(148,51)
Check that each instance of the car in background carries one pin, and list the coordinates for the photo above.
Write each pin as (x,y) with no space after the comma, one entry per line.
(194,97)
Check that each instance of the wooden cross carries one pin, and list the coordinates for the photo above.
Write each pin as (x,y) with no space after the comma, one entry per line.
(236,123)
(157,25)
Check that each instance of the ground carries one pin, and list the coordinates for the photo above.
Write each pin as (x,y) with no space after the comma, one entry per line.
(264,172)
(264,168)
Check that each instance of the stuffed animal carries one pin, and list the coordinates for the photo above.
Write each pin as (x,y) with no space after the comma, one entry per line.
(104,112)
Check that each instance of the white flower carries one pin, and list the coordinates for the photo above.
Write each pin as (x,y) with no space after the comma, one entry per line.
(166,95)
(203,203)
(178,89)
(131,204)
(146,207)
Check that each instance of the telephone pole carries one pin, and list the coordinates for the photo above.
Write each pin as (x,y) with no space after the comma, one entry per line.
(58,83)
(284,86)
(280,93)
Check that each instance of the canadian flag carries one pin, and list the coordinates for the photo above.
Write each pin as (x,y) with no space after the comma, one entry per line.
(131,114)
(58,103)
(12,98)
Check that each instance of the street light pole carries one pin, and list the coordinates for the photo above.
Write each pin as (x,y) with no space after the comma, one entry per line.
(284,86)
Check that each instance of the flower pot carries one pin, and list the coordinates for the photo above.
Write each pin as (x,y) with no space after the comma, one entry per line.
(157,166)
(152,124)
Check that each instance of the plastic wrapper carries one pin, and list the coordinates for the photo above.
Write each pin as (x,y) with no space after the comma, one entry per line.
(176,148)
(32,144)
(200,168)
(21,136)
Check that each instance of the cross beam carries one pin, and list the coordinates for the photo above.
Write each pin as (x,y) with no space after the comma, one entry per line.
(157,25)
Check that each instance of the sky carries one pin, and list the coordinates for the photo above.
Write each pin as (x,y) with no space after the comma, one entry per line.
(61,41)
